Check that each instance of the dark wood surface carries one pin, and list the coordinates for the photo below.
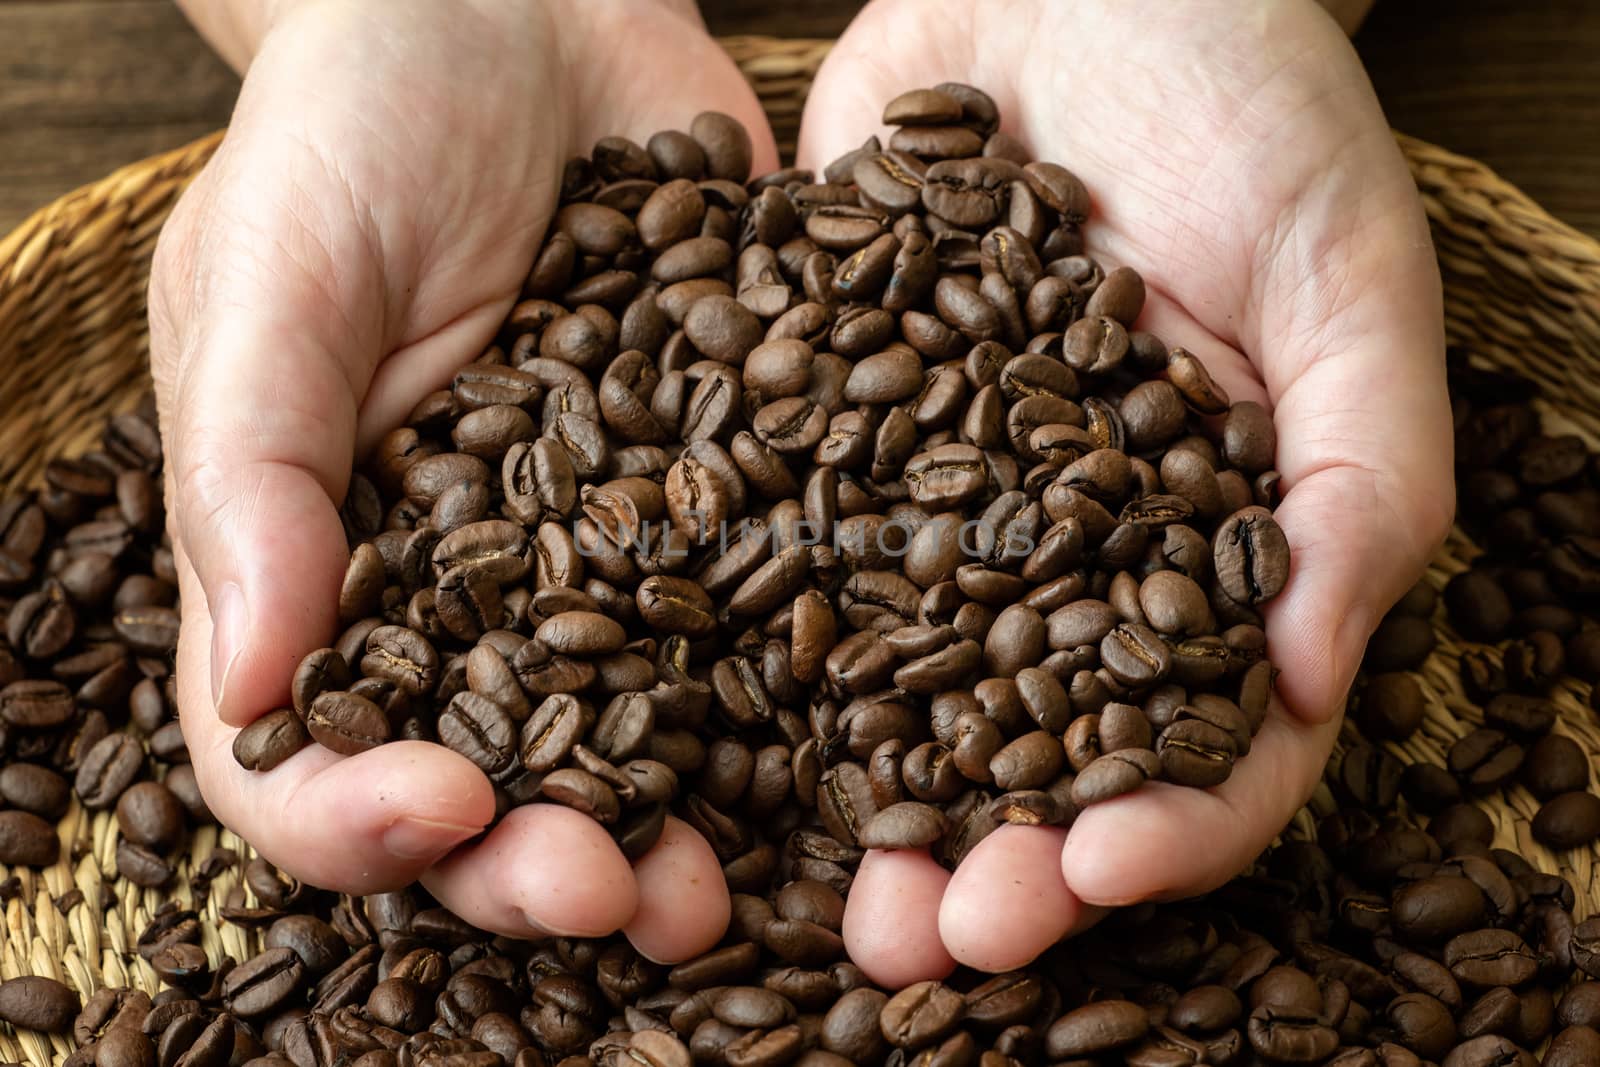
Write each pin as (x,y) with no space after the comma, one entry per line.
(88,85)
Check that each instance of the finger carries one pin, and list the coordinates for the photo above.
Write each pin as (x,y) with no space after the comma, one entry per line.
(1008,902)
(684,905)
(1165,841)
(543,869)
(259,371)
(708,80)
(1351,342)
(891,918)
(365,824)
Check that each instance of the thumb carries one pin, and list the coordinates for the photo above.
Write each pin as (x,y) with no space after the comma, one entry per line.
(259,367)
(1352,350)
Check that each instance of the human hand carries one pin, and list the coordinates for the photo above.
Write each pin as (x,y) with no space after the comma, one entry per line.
(361,234)
(1240,162)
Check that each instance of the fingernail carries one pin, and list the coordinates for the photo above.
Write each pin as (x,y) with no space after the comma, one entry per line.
(229,621)
(425,839)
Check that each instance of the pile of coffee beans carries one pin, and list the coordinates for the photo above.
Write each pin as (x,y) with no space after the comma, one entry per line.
(858,497)
(1533,499)
(88,595)
(912,346)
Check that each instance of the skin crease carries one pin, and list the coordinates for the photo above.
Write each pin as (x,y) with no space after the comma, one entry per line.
(1238,159)
(334,264)
(331,266)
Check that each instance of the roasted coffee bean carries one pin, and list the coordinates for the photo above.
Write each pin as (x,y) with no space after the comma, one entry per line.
(1554,765)
(1251,556)
(1436,909)
(346,723)
(1478,606)
(1486,958)
(107,768)
(148,814)
(1522,717)
(1096,1028)
(38,1003)
(1114,774)
(1390,706)
(1196,753)
(1569,820)
(35,789)
(1572,1047)
(904,825)
(1369,776)
(270,740)
(921,1014)
(263,982)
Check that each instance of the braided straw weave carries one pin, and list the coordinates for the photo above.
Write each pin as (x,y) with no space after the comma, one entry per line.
(1522,291)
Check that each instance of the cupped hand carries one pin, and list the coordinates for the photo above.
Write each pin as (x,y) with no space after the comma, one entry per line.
(361,233)
(1238,159)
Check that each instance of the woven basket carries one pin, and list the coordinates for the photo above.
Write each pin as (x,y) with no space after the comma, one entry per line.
(1522,291)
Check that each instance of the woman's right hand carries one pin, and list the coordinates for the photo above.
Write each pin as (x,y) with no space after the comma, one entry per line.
(361,233)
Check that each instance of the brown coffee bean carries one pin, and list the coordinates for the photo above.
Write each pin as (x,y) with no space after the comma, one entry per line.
(270,740)
(903,825)
(37,1003)
(148,814)
(1251,556)
(1569,820)
(1096,1028)
(346,723)
(263,982)
(35,789)
(921,1014)
(106,769)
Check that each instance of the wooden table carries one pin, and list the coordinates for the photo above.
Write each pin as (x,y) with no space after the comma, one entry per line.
(87,85)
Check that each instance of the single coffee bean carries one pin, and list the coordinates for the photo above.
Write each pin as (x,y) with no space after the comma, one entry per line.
(1478,607)
(1572,1047)
(270,740)
(921,1014)
(1251,556)
(37,1003)
(346,723)
(263,982)
(35,789)
(1522,717)
(26,840)
(148,814)
(1196,753)
(1436,909)
(1486,958)
(1554,765)
(1114,774)
(1569,820)
(1096,1028)
(903,825)
(1390,706)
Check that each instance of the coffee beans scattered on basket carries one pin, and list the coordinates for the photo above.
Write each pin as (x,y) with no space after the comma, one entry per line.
(937,541)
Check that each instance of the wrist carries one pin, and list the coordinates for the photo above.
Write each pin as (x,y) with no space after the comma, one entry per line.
(237,28)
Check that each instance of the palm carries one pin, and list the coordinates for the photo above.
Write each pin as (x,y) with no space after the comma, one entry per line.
(1237,160)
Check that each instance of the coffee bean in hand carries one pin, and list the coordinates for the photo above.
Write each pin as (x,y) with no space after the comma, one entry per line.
(881,434)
